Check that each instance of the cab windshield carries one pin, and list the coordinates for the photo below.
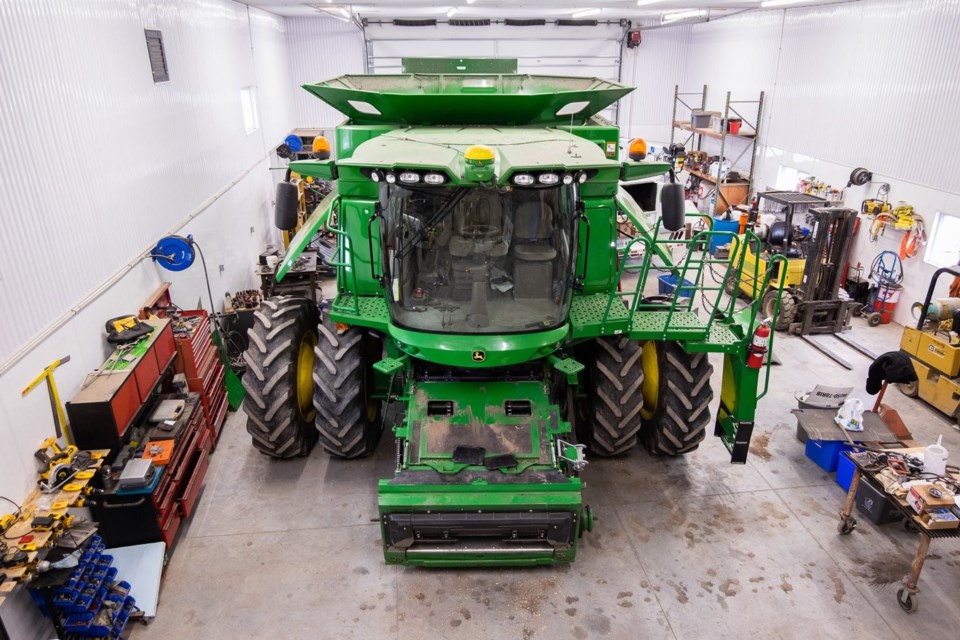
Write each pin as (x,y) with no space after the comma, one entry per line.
(478,259)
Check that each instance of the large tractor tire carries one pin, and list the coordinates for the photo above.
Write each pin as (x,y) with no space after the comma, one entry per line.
(348,419)
(609,420)
(788,308)
(676,397)
(279,358)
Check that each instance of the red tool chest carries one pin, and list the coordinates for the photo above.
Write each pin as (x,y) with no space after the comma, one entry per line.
(154,514)
(199,359)
(109,400)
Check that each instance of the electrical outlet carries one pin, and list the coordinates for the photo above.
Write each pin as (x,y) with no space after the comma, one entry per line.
(251,230)
(222,269)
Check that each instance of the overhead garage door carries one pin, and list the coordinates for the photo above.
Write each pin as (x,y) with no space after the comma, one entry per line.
(546,50)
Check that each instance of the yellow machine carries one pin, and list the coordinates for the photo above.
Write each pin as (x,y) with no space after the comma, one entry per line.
(782,240)
(6,522)
(934,347)
(304,191)
(59,465)
(752,275)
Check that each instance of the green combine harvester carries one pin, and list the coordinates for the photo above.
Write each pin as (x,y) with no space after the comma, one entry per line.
(479,286)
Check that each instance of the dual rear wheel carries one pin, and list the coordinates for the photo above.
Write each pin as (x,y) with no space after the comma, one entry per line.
(655,392)
(306,382)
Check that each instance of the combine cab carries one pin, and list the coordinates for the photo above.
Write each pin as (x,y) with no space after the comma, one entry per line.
(479,286)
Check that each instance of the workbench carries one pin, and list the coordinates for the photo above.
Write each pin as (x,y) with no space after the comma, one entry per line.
(907,594)
(38,504)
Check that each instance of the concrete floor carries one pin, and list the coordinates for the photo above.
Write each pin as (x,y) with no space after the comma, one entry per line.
(692,547)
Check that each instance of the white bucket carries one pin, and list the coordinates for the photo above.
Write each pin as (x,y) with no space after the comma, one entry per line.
(935,458)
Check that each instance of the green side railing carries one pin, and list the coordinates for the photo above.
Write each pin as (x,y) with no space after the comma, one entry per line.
(344,262)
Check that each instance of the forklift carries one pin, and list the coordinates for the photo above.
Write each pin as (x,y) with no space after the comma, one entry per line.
(934,348)
(779,240)
(814,269)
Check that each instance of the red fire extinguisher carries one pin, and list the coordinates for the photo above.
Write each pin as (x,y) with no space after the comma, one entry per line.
(758,346)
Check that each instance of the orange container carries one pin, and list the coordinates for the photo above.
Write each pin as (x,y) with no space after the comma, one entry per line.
(160,451)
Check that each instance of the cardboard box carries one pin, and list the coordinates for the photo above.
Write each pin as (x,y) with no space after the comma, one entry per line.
(939,518)
(920,499)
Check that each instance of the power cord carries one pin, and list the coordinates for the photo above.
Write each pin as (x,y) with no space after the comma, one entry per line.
(17,516)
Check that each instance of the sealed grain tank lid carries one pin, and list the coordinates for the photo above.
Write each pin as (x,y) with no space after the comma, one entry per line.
(467,99)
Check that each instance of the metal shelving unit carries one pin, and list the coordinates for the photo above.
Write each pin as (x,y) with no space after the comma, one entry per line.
(731,193)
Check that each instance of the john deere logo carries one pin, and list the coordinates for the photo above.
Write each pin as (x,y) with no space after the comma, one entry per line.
(479,356)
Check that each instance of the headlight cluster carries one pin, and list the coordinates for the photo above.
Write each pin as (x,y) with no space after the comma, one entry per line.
(408,177)
(547,178)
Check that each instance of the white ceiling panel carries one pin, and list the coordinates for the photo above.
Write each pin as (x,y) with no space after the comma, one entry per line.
(494,9)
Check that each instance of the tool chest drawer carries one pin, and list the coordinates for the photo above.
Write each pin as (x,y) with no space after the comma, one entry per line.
(170,526)
(191,489)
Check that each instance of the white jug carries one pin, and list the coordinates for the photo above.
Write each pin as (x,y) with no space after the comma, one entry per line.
(935,458)
(850,416)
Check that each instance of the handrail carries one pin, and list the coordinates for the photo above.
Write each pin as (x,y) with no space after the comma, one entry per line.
(773,318)
(693,264)
(344,259)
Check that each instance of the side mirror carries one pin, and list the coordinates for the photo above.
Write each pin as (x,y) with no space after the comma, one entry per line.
(672,206)
(285,209)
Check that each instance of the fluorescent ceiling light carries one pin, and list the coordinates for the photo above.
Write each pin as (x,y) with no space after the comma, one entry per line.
(452,11)
(779,3)
(645,3)
(683,15)
(583,13)
(471,1)
(337,13)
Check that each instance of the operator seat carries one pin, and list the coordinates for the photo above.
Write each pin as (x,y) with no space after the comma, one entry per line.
(781,236)
(478,230)
(532,251)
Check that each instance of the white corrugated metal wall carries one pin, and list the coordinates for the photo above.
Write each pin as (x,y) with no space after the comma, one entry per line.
(99,162)
(871,83)
(653,68)
(879,79)
(321,48)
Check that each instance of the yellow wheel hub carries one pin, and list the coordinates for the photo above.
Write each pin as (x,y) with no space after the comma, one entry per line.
(305,359)
(650,387)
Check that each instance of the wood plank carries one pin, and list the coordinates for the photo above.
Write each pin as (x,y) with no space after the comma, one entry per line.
(706,177)
(710,133)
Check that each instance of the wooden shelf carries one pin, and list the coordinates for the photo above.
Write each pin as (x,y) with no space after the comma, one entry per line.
(710,133)
(708,178)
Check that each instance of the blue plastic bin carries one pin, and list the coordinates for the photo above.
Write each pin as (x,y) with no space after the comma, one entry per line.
(845,469)
(721,239)
(826,453)
(668,284)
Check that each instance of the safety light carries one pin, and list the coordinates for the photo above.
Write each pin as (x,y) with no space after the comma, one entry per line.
(548,178)
(391,178)
(523,179)
(321,148)
(434,178)
(638,149)
(409,177)
(582,177)
(567,178)
(375,176)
